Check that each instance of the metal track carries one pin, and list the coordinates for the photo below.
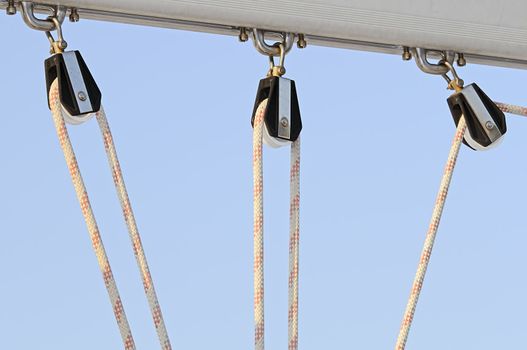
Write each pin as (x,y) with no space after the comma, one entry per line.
(312,38)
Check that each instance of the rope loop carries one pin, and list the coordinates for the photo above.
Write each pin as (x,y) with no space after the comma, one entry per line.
(258,234)
(102,259)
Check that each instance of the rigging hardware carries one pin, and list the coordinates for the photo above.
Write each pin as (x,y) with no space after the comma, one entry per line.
(486,123)
(282,115)
(47,25)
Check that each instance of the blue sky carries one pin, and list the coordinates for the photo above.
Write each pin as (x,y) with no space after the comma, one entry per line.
(376,136)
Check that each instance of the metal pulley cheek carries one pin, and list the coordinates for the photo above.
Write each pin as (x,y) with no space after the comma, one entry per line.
(282,116)
(79,94)
(486,123)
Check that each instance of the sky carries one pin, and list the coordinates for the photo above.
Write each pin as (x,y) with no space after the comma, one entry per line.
(376,135)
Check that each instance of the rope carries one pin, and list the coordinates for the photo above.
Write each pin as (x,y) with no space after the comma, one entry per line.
(430,236)
(87,212)
(258,228)
(512,109)
(294,240)
(434,224)
(128,216)
(258,236)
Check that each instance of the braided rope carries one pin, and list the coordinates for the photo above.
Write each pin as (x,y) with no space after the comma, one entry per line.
(430,236)
(87,212)
(294,230)
(259,323)
(129,218)
(434,224)
(294,236)
(512,109)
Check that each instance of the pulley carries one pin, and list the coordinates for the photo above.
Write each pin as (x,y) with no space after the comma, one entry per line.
(486,123)
(79,94)
(282,115)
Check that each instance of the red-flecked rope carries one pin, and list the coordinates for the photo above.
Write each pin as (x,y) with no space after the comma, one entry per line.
(294,240)
(87,212)
(430,236)
(434,224)
(512,109)
(259,239)
(259,323)
(128,216)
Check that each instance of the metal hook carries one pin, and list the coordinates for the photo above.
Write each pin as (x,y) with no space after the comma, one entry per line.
(439,68)
(57,46)
(47,25)
(272,50)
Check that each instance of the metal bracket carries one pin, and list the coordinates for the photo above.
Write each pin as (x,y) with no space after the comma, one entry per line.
(421,59)
(28,14)
(271,50)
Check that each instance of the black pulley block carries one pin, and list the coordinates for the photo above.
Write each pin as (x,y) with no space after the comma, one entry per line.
(486,123)
(282,115)
(79,93)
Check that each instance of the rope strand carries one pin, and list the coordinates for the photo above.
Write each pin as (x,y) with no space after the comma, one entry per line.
(92,225)
(87,212)
(259,321)
(129,218)
(294,231)
(512,109)
(436,217)
(431,235)
(294,236)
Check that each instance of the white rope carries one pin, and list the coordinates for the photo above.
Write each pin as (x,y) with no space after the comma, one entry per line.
(294,241)
(139,253)
(133,231)
(87,212)
(259,238)
(512,109)
(431,235)
(434,224)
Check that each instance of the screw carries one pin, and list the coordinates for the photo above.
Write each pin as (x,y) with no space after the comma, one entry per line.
(11,8)
(301,42)
(461,61)
(82,96)
(74,15)
(489,125)
(407,55)
(243,36)
(284,122)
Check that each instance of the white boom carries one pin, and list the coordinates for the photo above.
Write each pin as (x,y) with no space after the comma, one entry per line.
(486,31)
